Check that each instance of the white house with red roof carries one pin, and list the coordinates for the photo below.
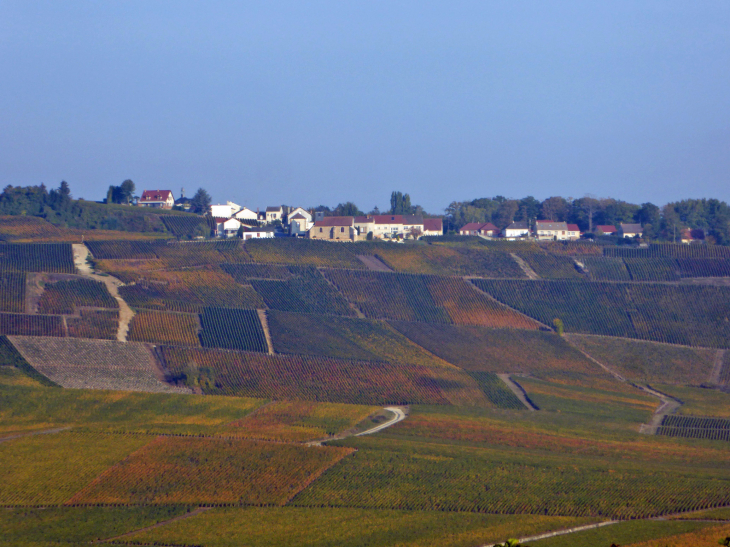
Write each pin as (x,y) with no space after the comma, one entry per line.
(161,199)
(479,228)
(549,230)
(433,227)
(573,232)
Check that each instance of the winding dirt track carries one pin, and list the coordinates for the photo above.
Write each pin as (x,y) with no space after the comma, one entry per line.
(399,414)
(81,253)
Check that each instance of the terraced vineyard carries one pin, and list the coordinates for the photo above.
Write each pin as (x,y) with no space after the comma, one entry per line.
(303,252)
(481,350)
(668,250)
(551,266)
(405,297)
(649,362)
(31,325)
(66,297)
(310,294)
(37,257)
(187,226)
(101,324)
(309,378)
(606,268)
(390,474)
(190,291)
(298,421)
(232,329)
(12,292)
(93,364)
(444,260)
(165,328)
(714,429)
(687,315)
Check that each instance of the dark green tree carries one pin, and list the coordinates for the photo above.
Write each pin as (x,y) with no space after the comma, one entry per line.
(200,202)
(400,204)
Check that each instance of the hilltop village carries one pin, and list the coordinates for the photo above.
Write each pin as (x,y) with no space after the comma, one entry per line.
(232,220)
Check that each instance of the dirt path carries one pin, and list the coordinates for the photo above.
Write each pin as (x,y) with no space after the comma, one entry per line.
(564,532)
(517,390)
(192,513)
(267,333)
(353,307)
(529,272)
(717,367)
(31,433)
(399,414)
(374,263)
(112,284)
(33,291)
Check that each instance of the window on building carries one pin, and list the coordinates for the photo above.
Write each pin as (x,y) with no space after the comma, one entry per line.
(342,229)
(320,230)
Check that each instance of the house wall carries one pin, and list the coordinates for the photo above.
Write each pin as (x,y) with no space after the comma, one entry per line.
(332,233)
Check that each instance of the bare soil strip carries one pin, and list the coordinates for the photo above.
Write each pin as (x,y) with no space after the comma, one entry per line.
(717,367)
(373,263)
(267,333)
(112,284)
(192,513)
(529,272)
(33,291)
(517,390)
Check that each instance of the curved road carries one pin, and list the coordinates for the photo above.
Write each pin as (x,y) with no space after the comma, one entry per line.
(399,416)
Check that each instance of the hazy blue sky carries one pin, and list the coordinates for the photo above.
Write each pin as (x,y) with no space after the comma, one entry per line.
(320,102)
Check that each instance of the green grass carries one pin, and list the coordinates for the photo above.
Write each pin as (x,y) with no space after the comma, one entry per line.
(315,527)
(29,527)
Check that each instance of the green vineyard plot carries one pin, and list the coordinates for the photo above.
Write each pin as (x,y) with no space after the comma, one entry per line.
(431,299)
(37,257)
(49,469)
(65,297)
(99,324)
(714,429)
(551,266)
(12,292)
(303,252)
(309,378)
(31,325)
(346,527)
(668,250)
(178,470)
(398,474)
(481,350)
(232,329)
(649,362)
(303,294)
(687,315)
(176,329)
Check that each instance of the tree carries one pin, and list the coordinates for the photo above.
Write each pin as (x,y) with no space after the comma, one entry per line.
(400,204)
(528,209)
(555,209)
(648,213)
(505,214)
(126,191)
(347,209)
(200,202)
(559,327)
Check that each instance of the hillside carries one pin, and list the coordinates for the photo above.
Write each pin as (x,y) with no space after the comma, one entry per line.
(234,404)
